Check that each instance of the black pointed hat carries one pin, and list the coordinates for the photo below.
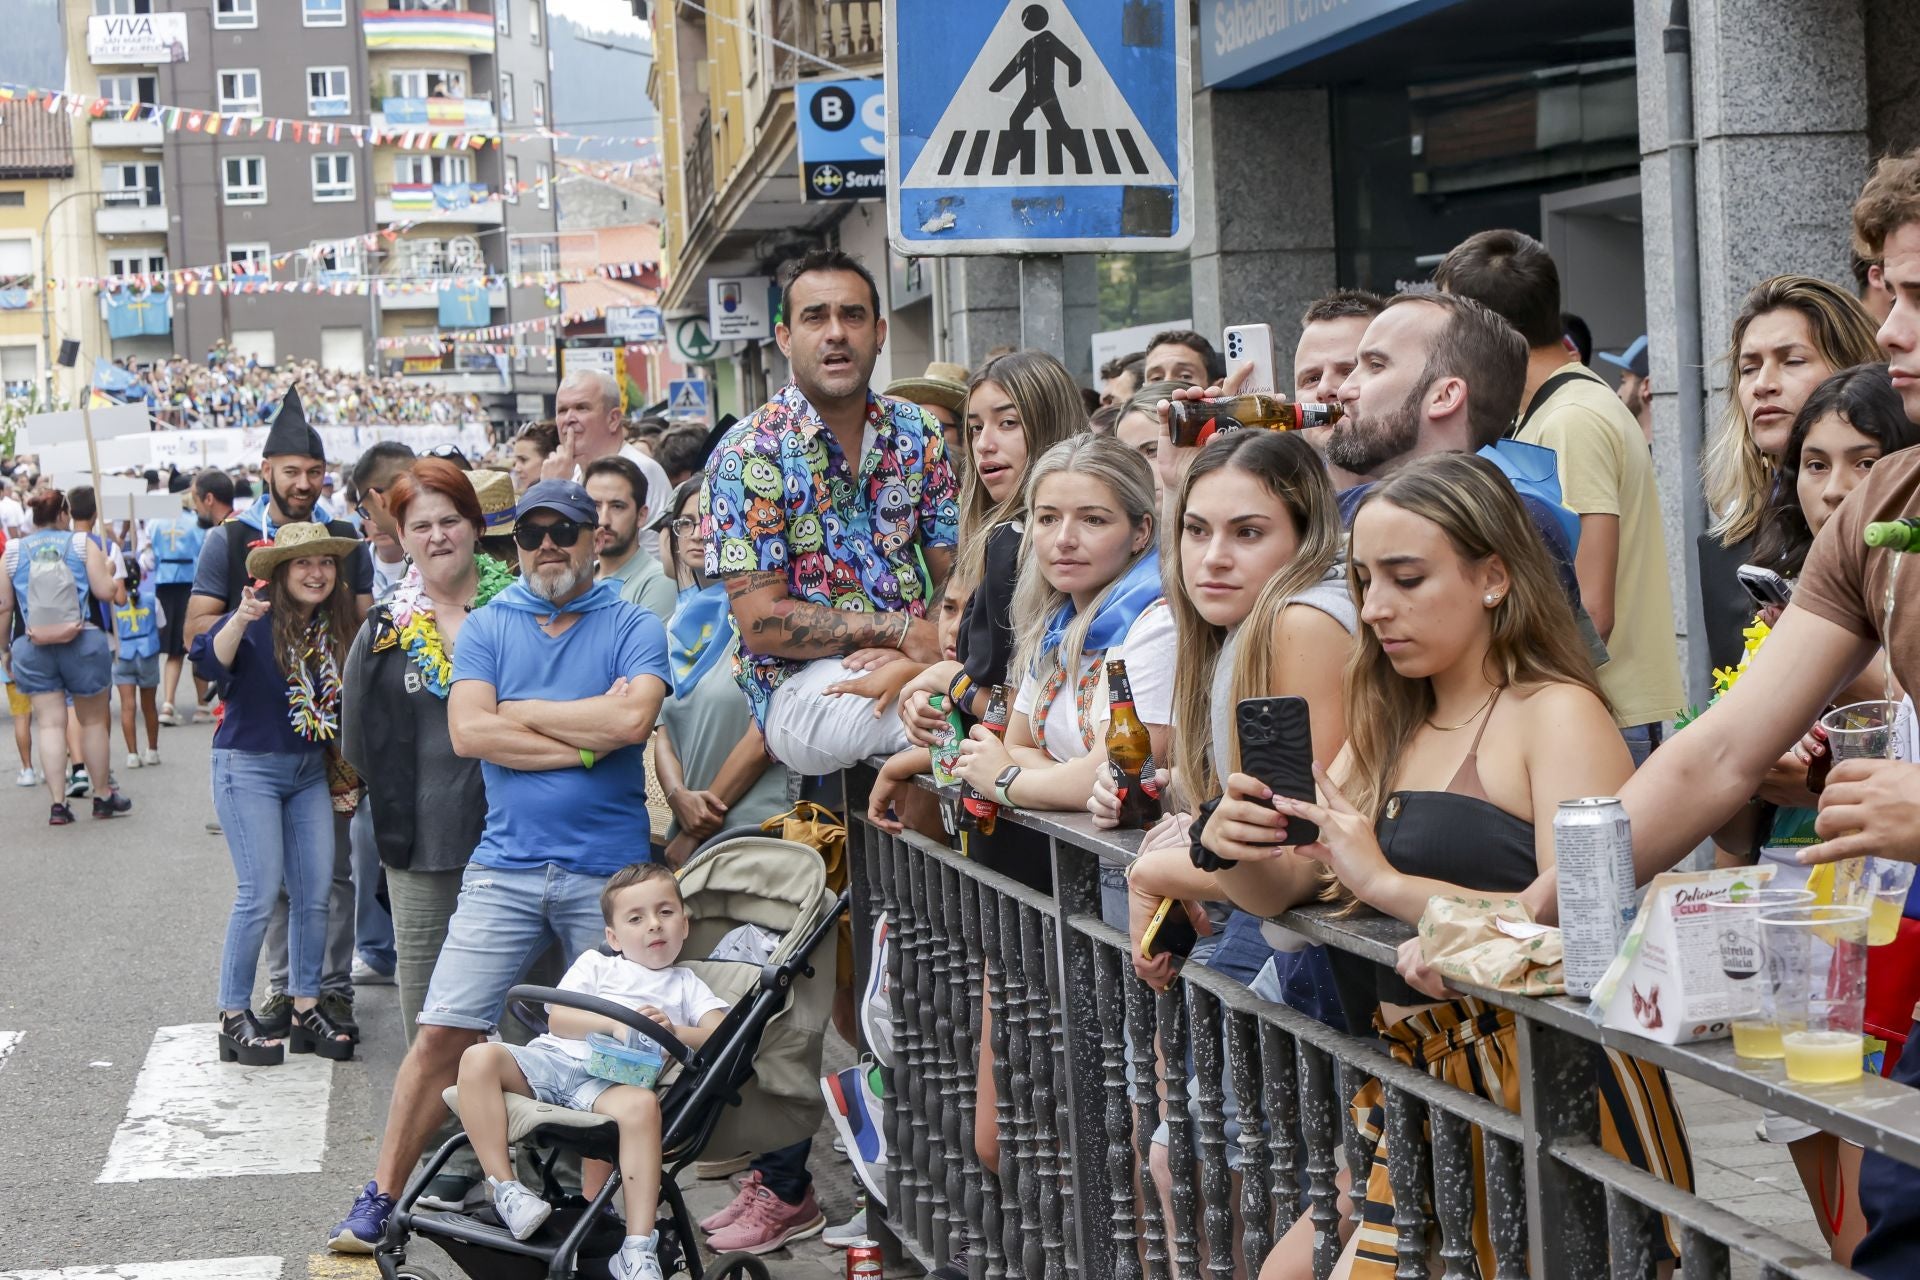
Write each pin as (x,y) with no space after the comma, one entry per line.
(290,432)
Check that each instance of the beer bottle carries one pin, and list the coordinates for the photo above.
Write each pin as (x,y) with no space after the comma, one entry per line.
(1894,535)
(1194,422)
(980,812)
(1129,752)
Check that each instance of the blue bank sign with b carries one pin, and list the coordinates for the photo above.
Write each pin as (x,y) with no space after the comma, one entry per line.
(1038,126)
(843,139)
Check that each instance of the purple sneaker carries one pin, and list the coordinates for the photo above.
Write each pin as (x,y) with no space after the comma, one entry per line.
(361,1229)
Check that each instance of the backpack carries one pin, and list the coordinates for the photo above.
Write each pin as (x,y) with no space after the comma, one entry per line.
(53,597)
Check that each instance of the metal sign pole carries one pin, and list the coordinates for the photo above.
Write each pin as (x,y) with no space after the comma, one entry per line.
(1043,302)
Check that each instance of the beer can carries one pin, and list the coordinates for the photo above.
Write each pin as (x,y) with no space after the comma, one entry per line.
(864,1261)
(1593,857)
(946,746)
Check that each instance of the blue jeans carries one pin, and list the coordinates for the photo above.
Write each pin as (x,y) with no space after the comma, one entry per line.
(372,923)
(504,921)
(1642,739)
(278,821)
(1890,1197)
(784,1172)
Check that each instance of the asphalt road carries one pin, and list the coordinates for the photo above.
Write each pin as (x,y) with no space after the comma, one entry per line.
(109,933)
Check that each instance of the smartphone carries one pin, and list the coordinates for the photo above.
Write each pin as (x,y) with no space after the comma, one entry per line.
(1276,746)
(1170,932)
(1764,586)
(1251,344)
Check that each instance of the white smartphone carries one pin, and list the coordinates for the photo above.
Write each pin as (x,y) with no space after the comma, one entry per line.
(1252,344)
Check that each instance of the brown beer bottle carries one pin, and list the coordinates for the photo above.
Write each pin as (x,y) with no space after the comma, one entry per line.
(1194,422)
(1129,752)
(980,812)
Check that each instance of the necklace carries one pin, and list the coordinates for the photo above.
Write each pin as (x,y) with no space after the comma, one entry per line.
(1450,728)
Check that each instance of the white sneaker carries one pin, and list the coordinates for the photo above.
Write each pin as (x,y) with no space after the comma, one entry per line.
(151,757)
(28,778)
(636,1260)
(520,1210)
(365,975)
(170,717)
(847,1234)
(133,760)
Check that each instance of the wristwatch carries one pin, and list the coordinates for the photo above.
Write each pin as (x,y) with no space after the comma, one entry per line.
(1005,780)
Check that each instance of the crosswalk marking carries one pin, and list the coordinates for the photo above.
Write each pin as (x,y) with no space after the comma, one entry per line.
(257,1268)
(342,1266)
(9,1041)
(192,1116)
(1019,146)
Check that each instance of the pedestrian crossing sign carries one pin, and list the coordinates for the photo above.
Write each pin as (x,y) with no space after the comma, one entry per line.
(687,400)
(1038,126)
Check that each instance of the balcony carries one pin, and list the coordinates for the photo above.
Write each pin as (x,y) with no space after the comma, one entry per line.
(130,219)
(846,32)
(442,203)
(415,293)
(454,114)
(127,133)
(430,31)
(699,171)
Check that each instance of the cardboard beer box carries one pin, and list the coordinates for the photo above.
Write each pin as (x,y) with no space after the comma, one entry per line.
(1667,983)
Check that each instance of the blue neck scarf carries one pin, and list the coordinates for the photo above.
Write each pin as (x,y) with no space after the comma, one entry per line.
(1125,601)
(699,636)
(601,595)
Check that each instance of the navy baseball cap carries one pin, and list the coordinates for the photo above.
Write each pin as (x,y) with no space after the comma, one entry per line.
(1633,359)
(563,496)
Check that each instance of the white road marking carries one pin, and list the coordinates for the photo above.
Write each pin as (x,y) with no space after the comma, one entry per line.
(9,1041)
(193,1116)
(198,1269)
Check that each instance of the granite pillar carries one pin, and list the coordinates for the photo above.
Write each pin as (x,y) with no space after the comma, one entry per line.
(983,306)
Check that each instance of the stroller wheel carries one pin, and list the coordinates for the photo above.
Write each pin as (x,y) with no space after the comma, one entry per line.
(414,1271)
(738,1266)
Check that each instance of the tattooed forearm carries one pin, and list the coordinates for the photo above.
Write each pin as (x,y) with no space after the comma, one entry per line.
(772,622)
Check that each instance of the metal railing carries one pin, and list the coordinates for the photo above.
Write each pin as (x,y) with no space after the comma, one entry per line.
(698,173)
(1088,1060)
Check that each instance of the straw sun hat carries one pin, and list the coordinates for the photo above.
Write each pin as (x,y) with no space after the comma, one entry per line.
(495,491)
(942,384)
(292,541)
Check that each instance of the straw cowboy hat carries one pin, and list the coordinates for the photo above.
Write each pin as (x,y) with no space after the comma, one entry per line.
(495,491)
(292,541)
(942,384)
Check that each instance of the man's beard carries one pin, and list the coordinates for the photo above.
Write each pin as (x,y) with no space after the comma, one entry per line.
(1365,447)
(555,582)
(206,521)
(617,546)
(294,514)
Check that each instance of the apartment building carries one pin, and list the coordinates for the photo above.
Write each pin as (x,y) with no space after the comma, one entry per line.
(172,197)
(36,174)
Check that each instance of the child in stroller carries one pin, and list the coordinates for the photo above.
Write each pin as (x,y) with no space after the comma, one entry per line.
(646,926)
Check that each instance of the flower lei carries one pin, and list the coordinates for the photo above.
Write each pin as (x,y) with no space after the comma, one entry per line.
(313,685)
(413,620)
(1724,678)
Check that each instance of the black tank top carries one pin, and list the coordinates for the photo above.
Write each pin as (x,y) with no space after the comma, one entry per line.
(1457,835)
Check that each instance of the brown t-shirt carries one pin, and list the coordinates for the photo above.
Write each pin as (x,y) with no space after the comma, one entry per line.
(1845,580)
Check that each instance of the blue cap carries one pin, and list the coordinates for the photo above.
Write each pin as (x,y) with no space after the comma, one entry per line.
(1633,359)
(563,496)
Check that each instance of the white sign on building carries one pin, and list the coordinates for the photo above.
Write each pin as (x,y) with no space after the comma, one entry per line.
(136,39)
(741,307)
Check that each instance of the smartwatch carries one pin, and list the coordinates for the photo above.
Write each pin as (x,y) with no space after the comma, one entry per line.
(1001,783)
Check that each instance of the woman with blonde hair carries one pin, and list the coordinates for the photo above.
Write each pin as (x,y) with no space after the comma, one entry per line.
(1472,713)
(1792,333)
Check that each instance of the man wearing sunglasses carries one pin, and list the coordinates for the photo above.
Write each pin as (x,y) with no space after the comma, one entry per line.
(556,684)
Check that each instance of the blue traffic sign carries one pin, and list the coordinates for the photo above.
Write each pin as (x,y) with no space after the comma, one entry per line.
(687,400)
(1038,126)
(843,143)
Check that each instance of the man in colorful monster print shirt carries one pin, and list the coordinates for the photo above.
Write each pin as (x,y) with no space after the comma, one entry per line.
(831,515)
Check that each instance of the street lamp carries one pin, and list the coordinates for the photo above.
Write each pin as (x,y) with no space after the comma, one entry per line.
(46,291)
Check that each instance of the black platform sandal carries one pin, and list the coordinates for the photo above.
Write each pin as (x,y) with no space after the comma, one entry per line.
(314,1032)
(245,1041)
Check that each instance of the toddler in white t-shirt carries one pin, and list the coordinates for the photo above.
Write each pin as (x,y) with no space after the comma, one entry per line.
(647,924)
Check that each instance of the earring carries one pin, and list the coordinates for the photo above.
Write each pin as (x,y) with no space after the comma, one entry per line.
(1491,599)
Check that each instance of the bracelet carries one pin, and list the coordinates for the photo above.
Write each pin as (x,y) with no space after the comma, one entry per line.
(959,690)
(906,625)
(587,758)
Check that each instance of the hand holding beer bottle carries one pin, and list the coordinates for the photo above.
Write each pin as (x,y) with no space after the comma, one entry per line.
(1130,753)
(978,810)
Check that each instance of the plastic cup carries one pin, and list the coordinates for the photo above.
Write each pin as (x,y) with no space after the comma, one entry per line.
(1864,730)
(1736,926)
(1816,961)
(1872,730)
(1884,883)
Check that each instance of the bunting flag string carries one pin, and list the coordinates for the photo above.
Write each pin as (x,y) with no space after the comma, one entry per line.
(410,136)
(248,278)
(491,333)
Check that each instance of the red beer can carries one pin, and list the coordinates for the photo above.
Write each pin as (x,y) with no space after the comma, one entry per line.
(864,1261)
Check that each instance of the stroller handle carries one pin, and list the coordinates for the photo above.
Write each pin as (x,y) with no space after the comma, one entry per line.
(521,996)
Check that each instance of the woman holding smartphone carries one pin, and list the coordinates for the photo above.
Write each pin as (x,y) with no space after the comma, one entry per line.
(1472,712)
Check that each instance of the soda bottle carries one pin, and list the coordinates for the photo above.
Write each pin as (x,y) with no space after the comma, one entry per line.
(1130,752)
(980,812)
(1194,422)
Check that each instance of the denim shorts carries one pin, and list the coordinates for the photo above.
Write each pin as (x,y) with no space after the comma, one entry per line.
(143,672)
(503,922)
(558,1077)
(80,668)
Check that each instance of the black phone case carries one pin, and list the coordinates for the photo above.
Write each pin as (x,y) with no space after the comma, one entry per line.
(1276,746)
(1176,935)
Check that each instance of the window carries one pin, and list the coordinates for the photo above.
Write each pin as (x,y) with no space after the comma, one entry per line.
(121,8)
(503,17)
(407,84)
(124,91)
(453,169)
(245,179)
(543,184)
(419,256)
(333,176)
(323,13)
(240,92)
(13,199)
(511,177)
(543,255)
(539,101)
(16,263)
(19,369)
(235,13)
(251,259)
(332,260)
(136,263)
(533,23)
(507,113)
(126,185)
(416,82)
(412,170)
(327,92)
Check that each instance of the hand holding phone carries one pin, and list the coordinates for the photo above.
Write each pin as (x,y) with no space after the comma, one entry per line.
(1251,344)
(1276,747)
(1764,586)
(1170,932)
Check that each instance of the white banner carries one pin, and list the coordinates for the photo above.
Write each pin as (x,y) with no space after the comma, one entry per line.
(136,39)
(65,425)
(208,447)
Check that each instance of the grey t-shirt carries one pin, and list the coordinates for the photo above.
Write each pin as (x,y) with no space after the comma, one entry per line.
(643,581)
(704,727)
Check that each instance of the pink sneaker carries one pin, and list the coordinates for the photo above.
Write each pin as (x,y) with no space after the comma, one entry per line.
(742,1198)
(769,1223)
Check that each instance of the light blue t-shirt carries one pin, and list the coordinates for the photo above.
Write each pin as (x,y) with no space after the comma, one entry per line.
(176,546)
(590,823)
(138,622)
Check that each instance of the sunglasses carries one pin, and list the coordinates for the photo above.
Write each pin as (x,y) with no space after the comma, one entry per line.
(565,533)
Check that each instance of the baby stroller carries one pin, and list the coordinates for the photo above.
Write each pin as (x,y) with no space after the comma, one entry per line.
(754,1085)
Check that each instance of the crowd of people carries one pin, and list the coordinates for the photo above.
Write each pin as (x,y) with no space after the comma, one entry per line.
(466,692)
